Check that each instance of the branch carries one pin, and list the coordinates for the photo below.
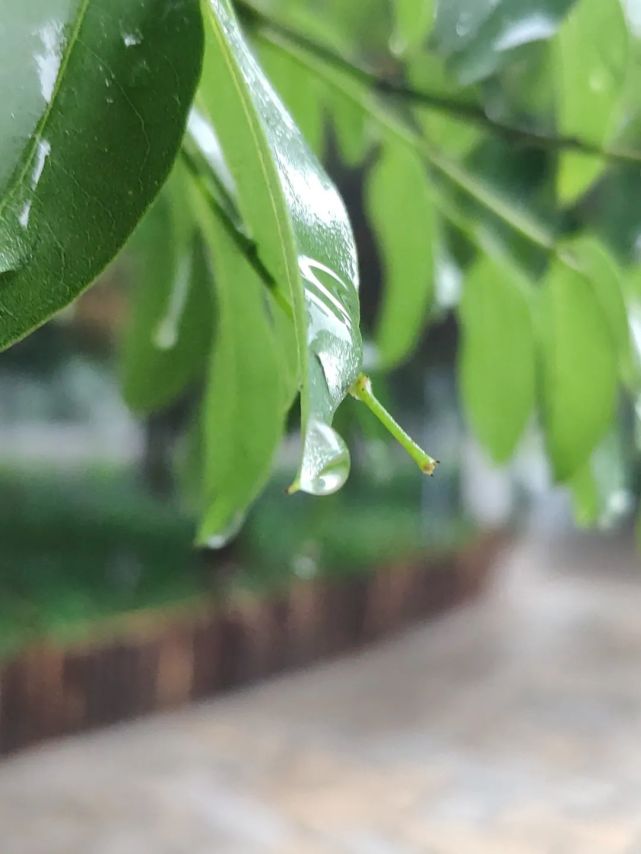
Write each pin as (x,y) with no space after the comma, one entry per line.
(363,98)
(467,112)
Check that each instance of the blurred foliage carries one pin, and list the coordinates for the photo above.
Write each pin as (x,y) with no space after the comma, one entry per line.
(81,547)
(495,146)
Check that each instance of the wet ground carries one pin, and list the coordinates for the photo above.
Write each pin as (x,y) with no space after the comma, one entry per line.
(511,726)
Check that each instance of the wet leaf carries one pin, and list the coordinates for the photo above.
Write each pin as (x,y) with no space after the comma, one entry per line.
(243,417)
(93,101)
(497,356)
(302,232)
(299,91)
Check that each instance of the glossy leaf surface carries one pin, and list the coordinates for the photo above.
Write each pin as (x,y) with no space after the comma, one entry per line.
(401,209)
(303,235)
(579,369)
(299,91)
(243,415)
(93,100)
(497,357)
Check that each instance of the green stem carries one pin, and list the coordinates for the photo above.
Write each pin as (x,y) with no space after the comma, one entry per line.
(362,390)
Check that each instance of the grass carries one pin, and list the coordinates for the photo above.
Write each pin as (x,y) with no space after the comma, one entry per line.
(78,547)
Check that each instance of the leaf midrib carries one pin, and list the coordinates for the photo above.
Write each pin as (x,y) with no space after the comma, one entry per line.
(285,235)
(38,132)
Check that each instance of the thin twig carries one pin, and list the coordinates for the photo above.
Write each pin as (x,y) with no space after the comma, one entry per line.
(431,100)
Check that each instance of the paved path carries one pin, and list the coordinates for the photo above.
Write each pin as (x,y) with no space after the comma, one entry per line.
(510,727)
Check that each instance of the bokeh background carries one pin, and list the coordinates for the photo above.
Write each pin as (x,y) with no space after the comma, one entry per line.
(444,665)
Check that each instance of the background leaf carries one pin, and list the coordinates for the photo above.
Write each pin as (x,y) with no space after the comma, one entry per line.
(412,21)
(402,213)
(590,64)
(579,369)
(479,36)
(93,102)
(243,415)
(168,336)
(606,279)
(497,355)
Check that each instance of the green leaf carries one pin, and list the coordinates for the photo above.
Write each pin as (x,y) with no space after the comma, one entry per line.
(243,414)
(590,62)
(479,36)
(412,21)
(497,356)
(579,370)
(300,92)
(93,101)
(600,489)
(168,335)
(401,209)
(302,232)
(350,124)
(605,277)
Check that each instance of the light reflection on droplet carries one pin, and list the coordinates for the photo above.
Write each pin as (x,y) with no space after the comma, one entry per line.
(43,150)
(166,335)
(131,39)
(222,537)
(25,213)
(531,28)
(326,461)
(48,61)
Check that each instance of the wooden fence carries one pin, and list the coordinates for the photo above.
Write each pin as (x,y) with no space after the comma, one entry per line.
(152,661)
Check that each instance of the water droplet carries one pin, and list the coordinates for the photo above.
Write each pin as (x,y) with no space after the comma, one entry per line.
(535,27)
(25,213)
(131,39)
(463,24)
(598,81)
(166,335)
(225,534)
(204,135)
(304,566)
(326,463)
(13,254)
(43,150)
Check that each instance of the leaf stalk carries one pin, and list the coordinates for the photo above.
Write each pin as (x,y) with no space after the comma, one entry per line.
(362,390)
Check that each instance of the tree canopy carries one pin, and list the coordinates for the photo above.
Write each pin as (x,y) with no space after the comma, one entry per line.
(499,142)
